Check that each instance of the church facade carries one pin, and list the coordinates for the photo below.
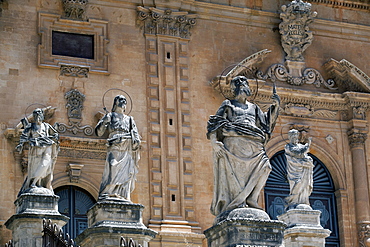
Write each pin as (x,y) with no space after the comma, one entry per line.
(172,60)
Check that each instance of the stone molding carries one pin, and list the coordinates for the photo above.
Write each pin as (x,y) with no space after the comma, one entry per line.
(349,76)
(358,5)
(166,22)
(47,23)
(84,148)
(298,102)
(70,147)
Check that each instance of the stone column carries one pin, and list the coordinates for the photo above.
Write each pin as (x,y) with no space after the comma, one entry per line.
(357,139)
(31,209)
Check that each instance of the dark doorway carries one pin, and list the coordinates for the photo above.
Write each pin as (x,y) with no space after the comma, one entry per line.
(322,197)
(74,203)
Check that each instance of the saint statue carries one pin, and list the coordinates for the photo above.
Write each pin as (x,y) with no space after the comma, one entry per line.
(42,154)
(299,169)
(121,165)
(238,133)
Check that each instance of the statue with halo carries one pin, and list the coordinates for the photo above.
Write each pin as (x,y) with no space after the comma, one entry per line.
(121,165)
(44,146)
(238,133)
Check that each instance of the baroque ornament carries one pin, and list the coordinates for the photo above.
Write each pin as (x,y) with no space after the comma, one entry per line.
(364,234)
(75,71)
(74,107)
(356,139)
(309,76)
(295,34)
(166,22)
(295,39)
(75,9)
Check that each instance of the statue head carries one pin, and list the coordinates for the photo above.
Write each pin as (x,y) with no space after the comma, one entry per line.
(119,101)
(38,115)
(239,84)
(293,135)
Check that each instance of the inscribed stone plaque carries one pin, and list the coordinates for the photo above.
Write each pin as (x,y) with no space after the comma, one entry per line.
(73,45)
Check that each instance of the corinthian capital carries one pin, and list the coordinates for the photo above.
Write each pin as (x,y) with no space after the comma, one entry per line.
(166,22)
(356,137)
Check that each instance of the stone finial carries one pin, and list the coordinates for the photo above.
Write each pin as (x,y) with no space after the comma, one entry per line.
(75,9)
(295,34)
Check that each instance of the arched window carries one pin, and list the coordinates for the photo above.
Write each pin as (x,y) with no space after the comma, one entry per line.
(322,197)
(74,203)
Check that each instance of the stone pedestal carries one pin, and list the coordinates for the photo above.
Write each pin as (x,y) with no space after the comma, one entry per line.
(31,209)
(304,228)
(108,220)
(245,227)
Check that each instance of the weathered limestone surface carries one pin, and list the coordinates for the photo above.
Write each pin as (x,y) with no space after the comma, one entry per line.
(108,220)
(303,227)
(245,226)
(31,209)
(226,32)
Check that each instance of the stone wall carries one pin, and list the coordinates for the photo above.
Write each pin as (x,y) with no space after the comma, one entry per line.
(225,33)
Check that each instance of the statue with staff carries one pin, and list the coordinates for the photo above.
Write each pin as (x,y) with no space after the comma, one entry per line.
(238,132)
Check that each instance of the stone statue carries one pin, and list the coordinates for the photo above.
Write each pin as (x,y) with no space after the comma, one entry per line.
(121,165)
(42,155)
(299,169)
(238,133)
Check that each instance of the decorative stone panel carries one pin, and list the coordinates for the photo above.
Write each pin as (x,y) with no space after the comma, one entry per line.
(74,107)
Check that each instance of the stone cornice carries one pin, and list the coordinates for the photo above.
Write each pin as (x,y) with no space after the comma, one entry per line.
(302,103)
(348,76)
(330,101)
(354,5)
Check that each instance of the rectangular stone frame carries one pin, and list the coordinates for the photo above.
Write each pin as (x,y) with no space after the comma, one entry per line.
(47,23)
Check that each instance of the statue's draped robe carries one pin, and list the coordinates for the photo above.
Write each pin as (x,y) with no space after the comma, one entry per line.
(300,173)
(121,165)
(242,170)
(42,154)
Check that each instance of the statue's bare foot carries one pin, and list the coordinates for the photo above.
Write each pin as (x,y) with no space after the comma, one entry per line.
(253,204)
